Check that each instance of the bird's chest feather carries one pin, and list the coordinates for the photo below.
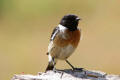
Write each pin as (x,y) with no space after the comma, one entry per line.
(67,37)
(62,52)
(65,52)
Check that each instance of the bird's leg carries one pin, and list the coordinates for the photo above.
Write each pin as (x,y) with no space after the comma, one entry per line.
(53,61)
(80,69)
(70,64)
(54,69)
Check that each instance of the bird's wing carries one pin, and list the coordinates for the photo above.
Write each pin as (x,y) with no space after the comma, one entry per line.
(54,33)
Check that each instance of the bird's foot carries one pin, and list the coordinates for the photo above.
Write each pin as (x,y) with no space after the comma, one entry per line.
(78,69)
(55,70)
(58,71)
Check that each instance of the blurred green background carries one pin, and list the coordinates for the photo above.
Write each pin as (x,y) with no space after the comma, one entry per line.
(26,25)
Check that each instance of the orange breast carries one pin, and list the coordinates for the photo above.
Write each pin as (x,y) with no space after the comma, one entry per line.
(72,37)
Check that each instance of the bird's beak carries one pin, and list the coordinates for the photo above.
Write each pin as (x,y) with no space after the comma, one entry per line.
(78,19)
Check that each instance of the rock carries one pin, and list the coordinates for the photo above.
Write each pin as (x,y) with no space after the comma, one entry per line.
(68,74)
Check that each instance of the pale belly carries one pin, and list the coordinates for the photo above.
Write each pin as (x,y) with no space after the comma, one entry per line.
(62,53)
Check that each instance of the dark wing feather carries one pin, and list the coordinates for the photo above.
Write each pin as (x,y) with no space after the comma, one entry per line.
(55,31)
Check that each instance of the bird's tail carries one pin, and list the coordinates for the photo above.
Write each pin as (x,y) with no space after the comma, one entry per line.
(49,67)
(52,63)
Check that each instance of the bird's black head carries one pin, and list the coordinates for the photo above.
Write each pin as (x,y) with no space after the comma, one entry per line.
(70,21)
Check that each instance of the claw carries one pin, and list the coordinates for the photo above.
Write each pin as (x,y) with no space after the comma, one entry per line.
(58,71)
(78,69)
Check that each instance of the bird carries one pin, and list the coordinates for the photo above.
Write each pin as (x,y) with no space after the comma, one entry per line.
(63,41)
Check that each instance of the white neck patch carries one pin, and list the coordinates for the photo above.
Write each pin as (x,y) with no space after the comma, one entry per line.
(62,28)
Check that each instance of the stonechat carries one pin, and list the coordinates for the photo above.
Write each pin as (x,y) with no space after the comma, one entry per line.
(64,40)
